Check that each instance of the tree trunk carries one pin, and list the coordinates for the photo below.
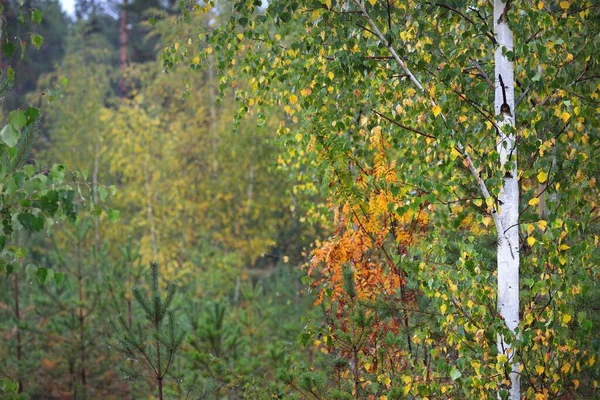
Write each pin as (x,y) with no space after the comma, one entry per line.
(508,205)
(150,210)
(19,342)
(81,320)
(96,201)
(123,49)
(212,99)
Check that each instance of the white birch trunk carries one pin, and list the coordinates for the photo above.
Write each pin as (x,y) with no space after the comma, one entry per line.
(508,212)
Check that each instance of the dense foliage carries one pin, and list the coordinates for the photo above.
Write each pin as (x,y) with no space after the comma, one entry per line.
(296,200)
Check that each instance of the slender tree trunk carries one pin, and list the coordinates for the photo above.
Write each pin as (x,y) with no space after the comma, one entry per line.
(96,199)
(81,319)
(128,391)
(150,210)
(123,42)
(508,207)
(250,190)
(19,342)
(212,99)
(159,377)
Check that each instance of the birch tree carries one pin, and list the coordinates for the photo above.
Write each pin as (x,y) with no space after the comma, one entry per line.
(411,113)
(507,222)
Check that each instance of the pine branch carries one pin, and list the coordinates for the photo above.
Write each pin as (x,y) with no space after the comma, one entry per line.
(24,145)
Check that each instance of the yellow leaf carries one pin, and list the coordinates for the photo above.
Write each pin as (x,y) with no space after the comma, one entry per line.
(298,137)
(565,368)
(530,228)
(367,366)
(530,241)
(384,379)
(540,5)
(542,177)
(443,308)
(486,221)
(563,247)
(328,4)
(542,224)
(502,358)
(209,50)
(196,60)
(373,2)
(562,259)
(564,5)
(528,319)
(436,110)
(565,116)
(454,154)
(293,99)
(566,318)
(576,383)
(534,202)
(539,369)
(330,75)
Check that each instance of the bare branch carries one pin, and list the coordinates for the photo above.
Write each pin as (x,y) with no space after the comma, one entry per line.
(404,126)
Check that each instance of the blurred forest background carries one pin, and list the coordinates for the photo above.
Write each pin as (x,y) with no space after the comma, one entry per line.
(206,201)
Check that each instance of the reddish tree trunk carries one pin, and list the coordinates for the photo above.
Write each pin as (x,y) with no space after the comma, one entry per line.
(123,38)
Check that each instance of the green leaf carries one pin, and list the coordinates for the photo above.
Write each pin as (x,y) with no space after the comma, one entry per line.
(58,277)
(114,215)
(18,119)
(102,192)
(152,21)
(42,274)
(31,270)
(31,115)
(455,374)
(10,135)
(36,16)
(49,203)
(8,49)
(31,222)
(37,40)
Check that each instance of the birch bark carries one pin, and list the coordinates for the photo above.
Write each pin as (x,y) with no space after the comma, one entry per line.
(508,207)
